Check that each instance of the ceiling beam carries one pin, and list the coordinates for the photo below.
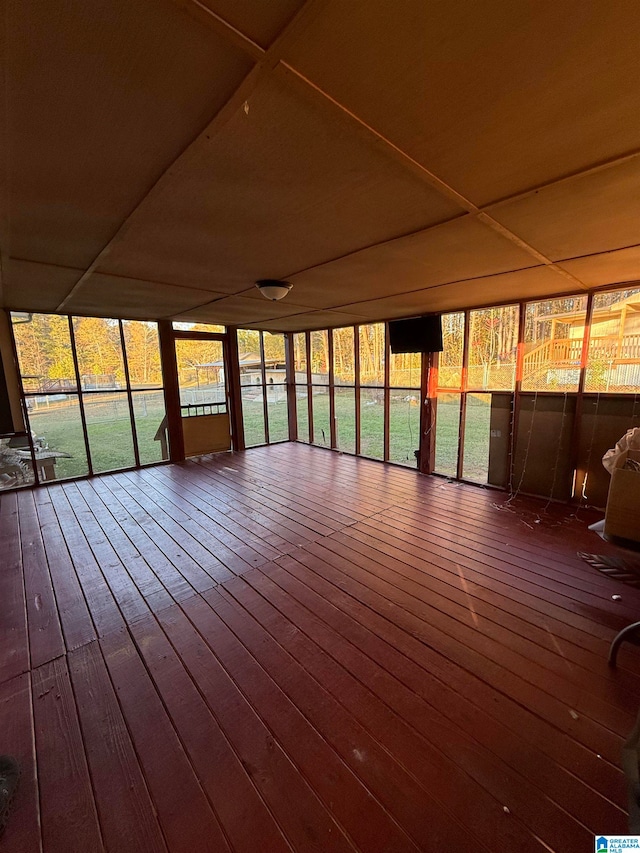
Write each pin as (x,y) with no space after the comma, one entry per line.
(217,123)
(206,16)
(259,54)
(270,60)
(343,305)
(109,274)
(265,62)
(619,160)
(288,73)
(429,177)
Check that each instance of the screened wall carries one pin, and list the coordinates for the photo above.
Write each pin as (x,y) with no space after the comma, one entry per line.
(353,396)
(525,395)
(263,387)
(93,396)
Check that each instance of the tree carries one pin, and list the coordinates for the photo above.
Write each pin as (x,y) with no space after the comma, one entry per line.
(99,350)
(143,352)
(320,352)
(274,347)
(344,356)
(30,338)
(44,351)
(57,346)
(372,353)
(248,342)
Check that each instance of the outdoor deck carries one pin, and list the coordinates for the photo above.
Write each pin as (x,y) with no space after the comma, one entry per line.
(293,650)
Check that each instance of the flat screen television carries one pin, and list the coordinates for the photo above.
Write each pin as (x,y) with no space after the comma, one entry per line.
(420,334)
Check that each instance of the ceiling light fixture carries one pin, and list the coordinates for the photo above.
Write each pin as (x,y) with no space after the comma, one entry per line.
(273,289)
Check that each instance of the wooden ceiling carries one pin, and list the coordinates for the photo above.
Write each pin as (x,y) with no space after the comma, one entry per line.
(386,158)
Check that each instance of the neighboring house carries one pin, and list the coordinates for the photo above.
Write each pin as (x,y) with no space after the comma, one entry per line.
(275,370)
(616,328)
(614,348)
(210,380)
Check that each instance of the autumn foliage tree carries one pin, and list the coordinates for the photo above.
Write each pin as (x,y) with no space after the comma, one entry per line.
(143,353)
(46,359)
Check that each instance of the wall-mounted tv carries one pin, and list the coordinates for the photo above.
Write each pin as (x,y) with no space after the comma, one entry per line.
(420,334)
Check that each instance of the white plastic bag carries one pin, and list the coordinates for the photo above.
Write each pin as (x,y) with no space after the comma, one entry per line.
(618,455)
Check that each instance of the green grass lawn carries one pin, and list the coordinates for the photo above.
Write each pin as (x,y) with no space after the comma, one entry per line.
(404,427)
(112,445)
(476,438)
(109,429)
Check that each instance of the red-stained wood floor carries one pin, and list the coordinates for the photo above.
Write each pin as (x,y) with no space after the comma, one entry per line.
(292,650)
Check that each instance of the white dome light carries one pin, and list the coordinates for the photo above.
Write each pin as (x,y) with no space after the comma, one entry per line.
(273,289)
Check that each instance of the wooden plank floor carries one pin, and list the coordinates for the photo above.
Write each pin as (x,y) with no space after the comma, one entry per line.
(292,650)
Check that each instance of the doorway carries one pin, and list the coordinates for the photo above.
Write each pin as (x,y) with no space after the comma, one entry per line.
(203,385)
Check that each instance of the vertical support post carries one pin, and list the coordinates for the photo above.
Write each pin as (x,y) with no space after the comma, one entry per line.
(171,390)
(9,363)
(577,421)
(290,363)
(332,400)
(428,410)
(23,400)
(387,393)
(356,382)
(463,394)
(515,415)
(235,389)
(125,361)
(309,386)
(263,374)
(83,418)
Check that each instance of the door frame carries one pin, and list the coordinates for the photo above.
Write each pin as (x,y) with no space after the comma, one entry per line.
(169,336)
